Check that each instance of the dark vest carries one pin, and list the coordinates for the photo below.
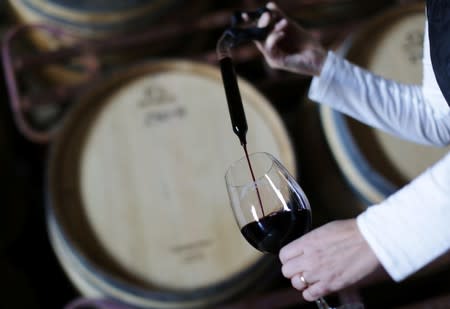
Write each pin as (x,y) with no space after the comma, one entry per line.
(438,14)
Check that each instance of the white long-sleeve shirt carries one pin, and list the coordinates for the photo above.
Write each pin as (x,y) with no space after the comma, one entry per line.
(411,227)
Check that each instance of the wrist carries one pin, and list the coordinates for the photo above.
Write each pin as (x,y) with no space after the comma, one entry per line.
(309,62)
(319,60)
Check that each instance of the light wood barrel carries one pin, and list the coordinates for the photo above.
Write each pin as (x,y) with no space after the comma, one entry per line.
(374,163)
(137,204)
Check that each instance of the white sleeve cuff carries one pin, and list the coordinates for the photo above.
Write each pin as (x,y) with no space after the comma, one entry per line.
(319,84)
(411,228)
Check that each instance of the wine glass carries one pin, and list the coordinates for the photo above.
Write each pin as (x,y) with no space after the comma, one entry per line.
(269,206)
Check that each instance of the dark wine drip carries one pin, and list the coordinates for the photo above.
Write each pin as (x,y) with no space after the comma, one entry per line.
(253,177)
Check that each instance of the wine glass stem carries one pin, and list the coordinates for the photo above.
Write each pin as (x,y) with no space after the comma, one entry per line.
(322,304)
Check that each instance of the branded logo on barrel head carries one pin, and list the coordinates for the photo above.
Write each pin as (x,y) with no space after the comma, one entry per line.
(160,104)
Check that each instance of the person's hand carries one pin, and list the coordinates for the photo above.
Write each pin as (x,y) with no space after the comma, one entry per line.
(329,258)
(288,46)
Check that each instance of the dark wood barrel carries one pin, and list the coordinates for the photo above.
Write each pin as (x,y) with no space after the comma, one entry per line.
(323,13)
(106,20)
(137,205)
(91,19)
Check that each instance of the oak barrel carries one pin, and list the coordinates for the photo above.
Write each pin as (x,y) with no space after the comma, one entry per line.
(113,21)
(322,13)
(90,19)
(137,205)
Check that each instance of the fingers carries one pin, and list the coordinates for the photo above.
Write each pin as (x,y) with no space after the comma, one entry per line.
(330,258)
(274,16)
(292,267)
(271,6)
(273,39)
(303,278)
(311,291)
(297,267)
(314,291)
(308,296)
(274,8)
(290,251)
(277,34)
(299,282)
(266,17)
(264,20)
(281,25)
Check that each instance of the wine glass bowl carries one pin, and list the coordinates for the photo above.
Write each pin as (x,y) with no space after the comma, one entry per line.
(269,206)
(272,210)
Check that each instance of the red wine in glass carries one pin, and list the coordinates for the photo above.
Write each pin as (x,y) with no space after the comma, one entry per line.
(270,207)
(275,230)
(286,215)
